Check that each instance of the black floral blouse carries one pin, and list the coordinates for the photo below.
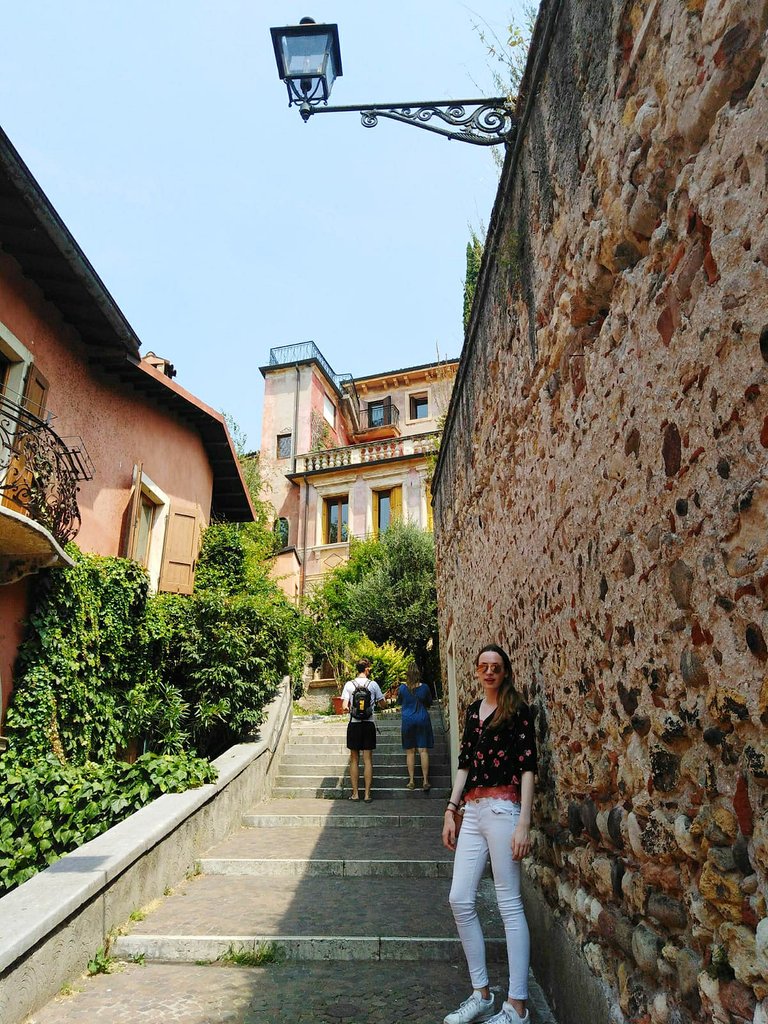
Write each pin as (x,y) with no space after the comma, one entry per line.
(497,757)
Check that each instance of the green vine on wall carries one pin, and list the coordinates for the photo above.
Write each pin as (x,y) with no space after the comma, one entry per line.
(84,652)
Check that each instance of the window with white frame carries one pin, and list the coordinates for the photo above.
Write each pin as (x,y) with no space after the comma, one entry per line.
(329,411)
(418,406)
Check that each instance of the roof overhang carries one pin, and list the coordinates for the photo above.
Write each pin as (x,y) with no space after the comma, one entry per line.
(32,232)
(37,238)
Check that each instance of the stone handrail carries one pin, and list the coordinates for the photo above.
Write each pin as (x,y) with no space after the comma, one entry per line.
(371,451)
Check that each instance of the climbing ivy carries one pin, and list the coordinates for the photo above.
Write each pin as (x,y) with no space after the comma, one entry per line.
(84,652)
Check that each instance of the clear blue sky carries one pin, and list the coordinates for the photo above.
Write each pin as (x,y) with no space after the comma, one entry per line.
(219,221)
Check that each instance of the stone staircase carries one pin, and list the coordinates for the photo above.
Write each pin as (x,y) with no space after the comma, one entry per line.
(315,763)
(350,898)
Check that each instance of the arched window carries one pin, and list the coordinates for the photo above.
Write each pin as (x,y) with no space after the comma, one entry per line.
(280,530)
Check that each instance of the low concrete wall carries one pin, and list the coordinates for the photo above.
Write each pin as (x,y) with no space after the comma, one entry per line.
(53,924)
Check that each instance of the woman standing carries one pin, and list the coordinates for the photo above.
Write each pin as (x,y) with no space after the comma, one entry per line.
(416,727)
(497,764)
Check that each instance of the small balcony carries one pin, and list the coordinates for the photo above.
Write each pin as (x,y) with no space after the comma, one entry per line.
(39,474)
(369,452)
(378,420)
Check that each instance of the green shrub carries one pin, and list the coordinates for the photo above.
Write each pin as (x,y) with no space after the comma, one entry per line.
(83,652)
(224,658)
(105,669)
(50,808)
(389,664)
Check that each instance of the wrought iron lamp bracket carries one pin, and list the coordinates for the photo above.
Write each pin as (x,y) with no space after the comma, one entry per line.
(483,122)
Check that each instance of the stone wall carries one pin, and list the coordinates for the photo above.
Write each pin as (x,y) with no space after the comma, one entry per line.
(602,494)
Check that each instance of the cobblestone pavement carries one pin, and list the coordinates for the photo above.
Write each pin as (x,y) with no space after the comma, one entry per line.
(360,992)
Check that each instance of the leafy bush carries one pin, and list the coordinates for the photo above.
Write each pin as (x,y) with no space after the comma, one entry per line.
(389,664)
(224,658)
(85,648)
(105,669)
(386,592)
(50,808)
(233,559)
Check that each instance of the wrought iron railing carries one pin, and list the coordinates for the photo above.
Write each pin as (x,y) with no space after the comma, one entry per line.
(39,472)
(303,352)
(382,414)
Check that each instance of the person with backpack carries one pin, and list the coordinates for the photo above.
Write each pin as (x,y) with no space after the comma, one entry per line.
(360,697)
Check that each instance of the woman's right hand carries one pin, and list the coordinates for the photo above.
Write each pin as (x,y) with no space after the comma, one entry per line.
(449,830)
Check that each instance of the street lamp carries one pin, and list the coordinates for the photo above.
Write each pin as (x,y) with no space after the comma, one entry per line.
(309,61)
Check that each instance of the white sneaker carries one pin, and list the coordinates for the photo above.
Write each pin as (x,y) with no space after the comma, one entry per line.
(509,1015)
(473,1009)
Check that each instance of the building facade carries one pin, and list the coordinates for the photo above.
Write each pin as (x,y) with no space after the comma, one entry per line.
(97,445)
(342,457)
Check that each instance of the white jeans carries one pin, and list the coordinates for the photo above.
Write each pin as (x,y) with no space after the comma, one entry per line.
(488,827)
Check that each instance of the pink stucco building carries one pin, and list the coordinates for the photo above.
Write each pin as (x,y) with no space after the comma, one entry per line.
(96,444)
(342,456)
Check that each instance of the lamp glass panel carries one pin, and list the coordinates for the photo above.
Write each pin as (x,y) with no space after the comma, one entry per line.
(304,56)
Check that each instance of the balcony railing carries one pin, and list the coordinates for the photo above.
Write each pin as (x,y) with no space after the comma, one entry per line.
(372,451)
(39,472)
(381,414)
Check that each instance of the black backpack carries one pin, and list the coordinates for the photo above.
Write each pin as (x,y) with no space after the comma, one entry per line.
(361,706)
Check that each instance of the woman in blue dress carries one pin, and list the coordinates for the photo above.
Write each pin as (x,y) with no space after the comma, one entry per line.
(417,733)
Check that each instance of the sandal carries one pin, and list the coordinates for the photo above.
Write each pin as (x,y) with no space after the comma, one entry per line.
(411,785)
(353,798)
(368,800)
(427,786)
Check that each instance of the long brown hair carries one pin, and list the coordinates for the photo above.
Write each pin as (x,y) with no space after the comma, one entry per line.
(509,699)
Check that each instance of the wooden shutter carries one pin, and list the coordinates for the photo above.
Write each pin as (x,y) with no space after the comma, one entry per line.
(324,527)
(375,513)
(36,392)
(134,511)
(395,504)
(182,543)
(430,510)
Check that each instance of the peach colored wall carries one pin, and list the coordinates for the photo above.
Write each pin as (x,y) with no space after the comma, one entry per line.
(118,426)
(436,382)
(277,418)
(13,613)
(339,436)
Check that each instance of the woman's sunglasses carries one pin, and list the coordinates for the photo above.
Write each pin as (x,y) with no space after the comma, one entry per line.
(486,666)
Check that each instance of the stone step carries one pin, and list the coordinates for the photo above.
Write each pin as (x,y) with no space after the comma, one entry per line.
(336,792)
(384,778)
(334,991)
(310,917)
(399,852)
(333,814)
(388,739)
(316,867)
(336,762)
(201,949)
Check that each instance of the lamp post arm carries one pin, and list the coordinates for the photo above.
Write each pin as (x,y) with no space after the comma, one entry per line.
(483,122)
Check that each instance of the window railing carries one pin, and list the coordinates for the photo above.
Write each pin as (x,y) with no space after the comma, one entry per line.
(39,472)
(381,414)
(372,451)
